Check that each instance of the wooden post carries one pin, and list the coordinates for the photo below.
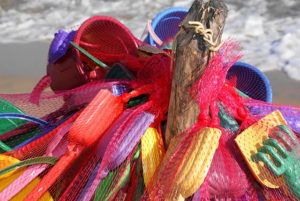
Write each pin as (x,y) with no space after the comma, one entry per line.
(192,57)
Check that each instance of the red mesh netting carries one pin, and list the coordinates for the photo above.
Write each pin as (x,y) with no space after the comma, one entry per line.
(106,39)
(227,176)
(94,141)
(103,37)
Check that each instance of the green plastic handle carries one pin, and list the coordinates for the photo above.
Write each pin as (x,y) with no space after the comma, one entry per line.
(4,147)
(286,159)
(32,161)
(94,59)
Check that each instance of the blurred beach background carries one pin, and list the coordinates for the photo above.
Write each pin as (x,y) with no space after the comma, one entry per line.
(269,31)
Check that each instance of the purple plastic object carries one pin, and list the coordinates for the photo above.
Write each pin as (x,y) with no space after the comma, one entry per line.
(57,147)
(90,182)
(106,138)
(59,45)
(76,99)
(126,138)
(118,142)
(291,114)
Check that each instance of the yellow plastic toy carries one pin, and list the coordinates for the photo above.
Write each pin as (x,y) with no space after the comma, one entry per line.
(251,139)
(152,153)
(195,164)
(9,177)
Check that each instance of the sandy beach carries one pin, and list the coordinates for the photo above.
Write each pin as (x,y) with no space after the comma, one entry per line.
(23,64)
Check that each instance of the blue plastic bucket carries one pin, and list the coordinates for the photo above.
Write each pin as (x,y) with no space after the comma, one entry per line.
(251,81)
(165,24)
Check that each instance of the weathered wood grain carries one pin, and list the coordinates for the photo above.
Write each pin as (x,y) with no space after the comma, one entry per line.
(192,57)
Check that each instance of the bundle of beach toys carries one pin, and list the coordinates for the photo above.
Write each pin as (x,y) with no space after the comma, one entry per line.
(94,127)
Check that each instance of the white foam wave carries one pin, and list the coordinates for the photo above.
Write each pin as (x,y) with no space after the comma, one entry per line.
(268,29)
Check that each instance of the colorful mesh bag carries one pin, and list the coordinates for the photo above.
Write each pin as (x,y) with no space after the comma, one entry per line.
(56,148)
(105,108)
(103,37)
(28,126)
(228,175)
(106,136)
(7,178)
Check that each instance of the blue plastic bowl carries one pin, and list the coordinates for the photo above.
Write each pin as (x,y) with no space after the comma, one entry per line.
(165,24)
(251,81)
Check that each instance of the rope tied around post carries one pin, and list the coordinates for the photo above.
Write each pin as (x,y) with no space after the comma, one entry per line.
(206,33)
(199,29)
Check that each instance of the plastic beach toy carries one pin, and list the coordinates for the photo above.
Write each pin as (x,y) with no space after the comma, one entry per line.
(9,177)
(196,162)
(165,26)
(152,153)
(95,119)
(254,136)
(9,124)
(101,37)
(250,81)
(11,118)
(106,39)
(56,148)
(285,160)
(28,133)
(59,45)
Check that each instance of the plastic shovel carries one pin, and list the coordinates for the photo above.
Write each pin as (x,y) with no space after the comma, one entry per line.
(56,148)
(127,132)
(84,133)
(7,178)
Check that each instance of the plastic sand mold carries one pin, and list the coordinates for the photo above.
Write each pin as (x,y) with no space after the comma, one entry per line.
(7,178)
(273,169)
(178,177)
(286,159)
(152,153)
(254,135)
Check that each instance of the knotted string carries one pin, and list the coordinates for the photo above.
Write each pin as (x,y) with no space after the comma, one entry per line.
(199,29)
(207,35)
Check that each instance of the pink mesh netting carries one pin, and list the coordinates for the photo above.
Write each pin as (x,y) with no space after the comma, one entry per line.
(95,127)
